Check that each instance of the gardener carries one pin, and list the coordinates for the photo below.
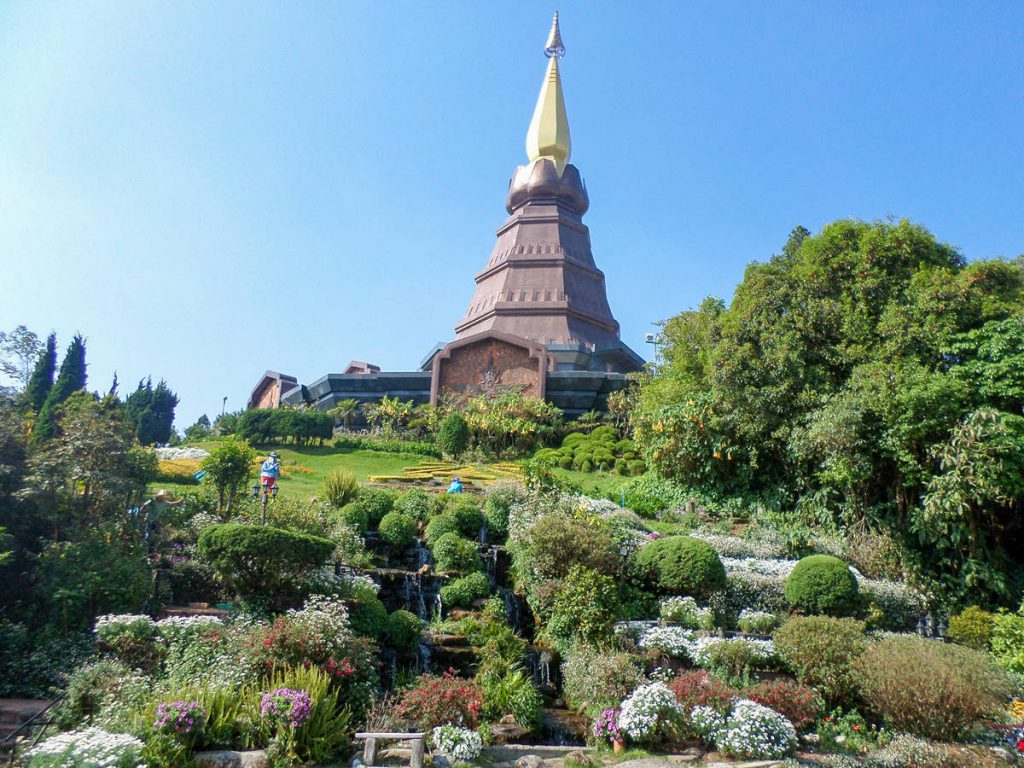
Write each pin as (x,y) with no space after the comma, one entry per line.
(456,486)
(270,471)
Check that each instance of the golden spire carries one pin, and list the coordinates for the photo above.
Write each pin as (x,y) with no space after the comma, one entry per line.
(548,135)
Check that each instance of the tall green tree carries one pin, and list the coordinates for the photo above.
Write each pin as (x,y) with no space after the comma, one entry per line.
(18,351)
(70,379)
(151,411)
(40,382)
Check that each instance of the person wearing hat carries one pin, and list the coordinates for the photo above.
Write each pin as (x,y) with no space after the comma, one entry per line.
(456,486)
(154,511)
(270,471)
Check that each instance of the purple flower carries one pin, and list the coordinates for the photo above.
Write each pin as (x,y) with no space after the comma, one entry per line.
(179,717)
(286,706)
(606,727)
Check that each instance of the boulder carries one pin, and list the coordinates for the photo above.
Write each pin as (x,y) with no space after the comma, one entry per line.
(230,759)
(531,761)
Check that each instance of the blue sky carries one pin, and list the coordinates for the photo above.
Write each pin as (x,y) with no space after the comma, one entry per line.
(207,190)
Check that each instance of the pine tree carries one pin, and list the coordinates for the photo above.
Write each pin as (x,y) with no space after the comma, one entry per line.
(70,379)
(41,381)
(151,411)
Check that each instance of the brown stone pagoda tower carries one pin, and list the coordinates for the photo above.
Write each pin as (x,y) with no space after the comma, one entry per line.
(541,283)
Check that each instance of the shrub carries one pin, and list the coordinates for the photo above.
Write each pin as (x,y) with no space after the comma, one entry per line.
(584,608)
(454,553)
(403,630)
(749,731)
(1008,640)
(799,704)
(89,689)
(369,617)
(696,688)
(462,745)
(438,526)
(131,639)
(928,688)
(397,531)
(819,650)
(734,658)
(651,714)
(907,751)
(462,592)
(757,622)
(377,502)
(685,612)
(594,680)
(415,503)
(822,584)
(453,435)
(339,488)
(510,693)
(259,560)
(437,700)
(497,504)
(682,565)
(354,514)
(557,542)
(88,747)
(971,627)
(468,516)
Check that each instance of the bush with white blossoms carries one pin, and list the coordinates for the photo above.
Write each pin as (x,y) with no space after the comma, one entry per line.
(325,617)
(760,653)
(750,730)
(757,622)
(111,625)
(176,629)
(650,713)
(631,631)
(685,612)
(88,748)
(762,566)
(671,641)
(458,743)
(766,545)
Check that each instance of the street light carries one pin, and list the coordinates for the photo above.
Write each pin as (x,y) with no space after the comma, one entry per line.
(655,339)
(224,405)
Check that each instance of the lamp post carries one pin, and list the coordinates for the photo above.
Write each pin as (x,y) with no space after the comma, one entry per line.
(655,339)
(224,405)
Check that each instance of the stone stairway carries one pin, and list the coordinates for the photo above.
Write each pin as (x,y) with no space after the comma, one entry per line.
(13,713)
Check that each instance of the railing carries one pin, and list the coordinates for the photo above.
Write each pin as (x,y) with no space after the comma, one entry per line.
(24,731)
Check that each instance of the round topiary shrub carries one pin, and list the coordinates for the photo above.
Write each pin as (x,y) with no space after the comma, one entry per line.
(454,553)
(377,502)
(415,503)
(462,592)
(354,514)
(468,515)
(453,434)
(822,584)
(403,631)
(497,505)
(438,527)
(369,617)
(681,565)
(397,531)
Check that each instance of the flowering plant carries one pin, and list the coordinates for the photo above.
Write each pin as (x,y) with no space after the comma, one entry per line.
(749,731)
(86,749)
(686,612)
(175,629)
(285,706)
(671,641)
(440,699)
(179,718)
(1017,739)
(606,727)
(130,638)
(458,743)
(696,688)
(757,622)
(651,712)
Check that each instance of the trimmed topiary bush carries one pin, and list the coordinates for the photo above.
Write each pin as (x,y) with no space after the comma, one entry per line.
(497,505)
(415,503)
(462,592)
(377,502)
(931,689)
(259,560)
(454,553)
(369,617)
(819,650)
(453,435)
(354,514)
(822,584)
(403,631)
(680,565)
(438,527)
(972,627)
(397,531)
(468,515)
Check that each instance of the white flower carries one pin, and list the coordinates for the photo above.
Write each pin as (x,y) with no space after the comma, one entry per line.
(672,641)
(762,566)
(89,748)
(122,621)
(175,628)
(458,743)
(759,652)
(685,611)
(755,731)
(650,712)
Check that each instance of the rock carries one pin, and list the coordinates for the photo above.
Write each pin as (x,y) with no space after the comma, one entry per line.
(531,761)
(508,720)
(395,753)
(508,733)
(440,760)
(689,755)
(230,759)
(579,757)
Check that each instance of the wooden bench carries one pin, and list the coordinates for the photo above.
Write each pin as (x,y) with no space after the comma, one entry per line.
(370,746)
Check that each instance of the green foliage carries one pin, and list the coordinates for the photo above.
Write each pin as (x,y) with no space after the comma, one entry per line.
(971,627)
(41,380)
(70,379)
(150,411)
(461,592)
(584,609)
(36,662)
(930,689)
(397,531)
(415,503)
(369,617)
(439,526)
(510,693)
(377,502)
(1008,640)
(327,732)
(89,688)
(200,430)
(498,502)
(339,488)
(851,373)
(820,650)
(303,426)
(414,448)
(453,435)
(680,565)
(467,514)
(822,584)
(453,553)
(599,450)
(354,515)
(403,631)
(228,467)
(558,542)
(509,423)
(597,679)
(261,561)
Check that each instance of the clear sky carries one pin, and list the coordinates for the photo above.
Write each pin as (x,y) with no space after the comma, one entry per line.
(210,189)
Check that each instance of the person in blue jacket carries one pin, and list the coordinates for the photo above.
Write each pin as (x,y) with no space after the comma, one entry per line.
(270,471)
(456,486)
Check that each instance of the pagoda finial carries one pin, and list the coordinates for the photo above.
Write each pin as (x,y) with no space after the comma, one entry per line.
(554,48)
(548,136)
